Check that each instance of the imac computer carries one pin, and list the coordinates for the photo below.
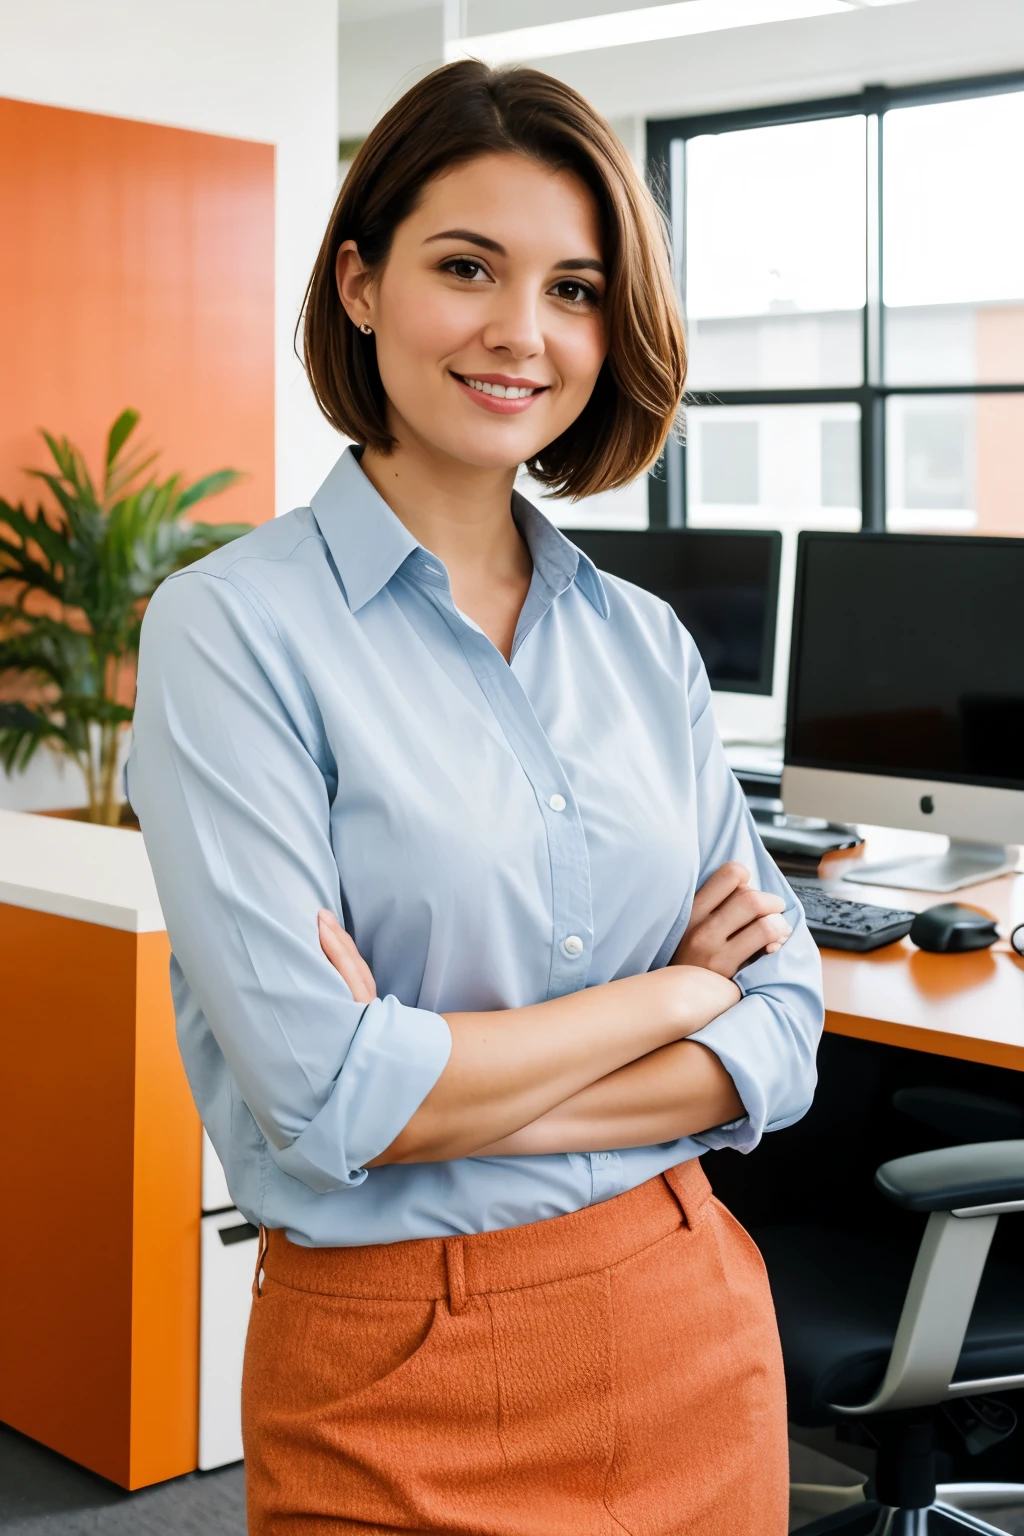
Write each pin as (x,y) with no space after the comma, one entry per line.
(723,584)
(906,696)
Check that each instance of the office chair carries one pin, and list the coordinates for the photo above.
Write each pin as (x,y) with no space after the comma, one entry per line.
(897,1340)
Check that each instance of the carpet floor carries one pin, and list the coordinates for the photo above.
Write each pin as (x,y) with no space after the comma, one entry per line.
(43,1494)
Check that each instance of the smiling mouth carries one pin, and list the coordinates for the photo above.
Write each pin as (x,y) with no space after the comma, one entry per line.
(500,391)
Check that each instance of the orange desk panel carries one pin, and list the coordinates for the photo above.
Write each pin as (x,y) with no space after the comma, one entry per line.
(99,1286)
(967,1006)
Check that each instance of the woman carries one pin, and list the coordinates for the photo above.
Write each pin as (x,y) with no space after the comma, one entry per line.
(494,1295)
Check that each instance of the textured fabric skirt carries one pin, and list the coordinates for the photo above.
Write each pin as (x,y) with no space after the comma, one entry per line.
(615,1370)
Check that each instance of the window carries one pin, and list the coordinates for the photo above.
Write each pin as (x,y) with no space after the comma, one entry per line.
(728,463)
(775,255)
(852,273)
(954,242)
(773,466)
(935,458)
(955,463)
(840,463)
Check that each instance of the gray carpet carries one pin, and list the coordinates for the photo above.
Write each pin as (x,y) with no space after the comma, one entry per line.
(43,1494)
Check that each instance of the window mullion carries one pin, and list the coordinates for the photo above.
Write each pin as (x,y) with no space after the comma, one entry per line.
(872,439)
(675,451)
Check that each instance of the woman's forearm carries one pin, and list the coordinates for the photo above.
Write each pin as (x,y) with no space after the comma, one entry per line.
(511,1068)
(678,1090)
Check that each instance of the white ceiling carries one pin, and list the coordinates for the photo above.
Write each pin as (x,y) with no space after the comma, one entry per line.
(381,56)
(366,10)
(494,15)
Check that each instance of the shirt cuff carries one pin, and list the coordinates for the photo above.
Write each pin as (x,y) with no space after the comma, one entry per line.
(731,1038)
(396,1056)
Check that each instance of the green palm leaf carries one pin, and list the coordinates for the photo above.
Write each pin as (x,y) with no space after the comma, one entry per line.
(77,580)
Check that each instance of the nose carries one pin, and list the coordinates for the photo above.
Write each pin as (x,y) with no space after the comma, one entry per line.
(513,327)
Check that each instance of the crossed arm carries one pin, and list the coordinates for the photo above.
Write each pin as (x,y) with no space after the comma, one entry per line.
(611,1066)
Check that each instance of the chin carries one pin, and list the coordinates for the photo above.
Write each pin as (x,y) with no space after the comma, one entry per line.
(492,450)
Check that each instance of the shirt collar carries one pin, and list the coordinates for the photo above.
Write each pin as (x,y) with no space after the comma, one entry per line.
(558,561)
(368,542)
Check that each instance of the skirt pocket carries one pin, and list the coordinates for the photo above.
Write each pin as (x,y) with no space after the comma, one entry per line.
(348,1347)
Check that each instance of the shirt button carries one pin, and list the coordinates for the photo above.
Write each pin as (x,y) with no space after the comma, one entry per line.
(557,802)
(573,945)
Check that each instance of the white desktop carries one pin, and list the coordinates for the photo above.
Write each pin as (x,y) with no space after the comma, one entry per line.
(906,697)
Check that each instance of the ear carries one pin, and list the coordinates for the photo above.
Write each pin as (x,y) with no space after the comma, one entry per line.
(353,280)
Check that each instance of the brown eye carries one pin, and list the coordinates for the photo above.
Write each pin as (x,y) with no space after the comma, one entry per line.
(575,292)
(463,267)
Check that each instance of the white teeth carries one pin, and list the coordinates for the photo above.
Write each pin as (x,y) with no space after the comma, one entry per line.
(500,391)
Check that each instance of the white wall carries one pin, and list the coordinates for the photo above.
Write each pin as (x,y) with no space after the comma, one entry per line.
(380,55)
(250,69)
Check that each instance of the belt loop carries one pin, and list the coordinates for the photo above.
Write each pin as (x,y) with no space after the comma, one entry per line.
(455,1260)
(689,1185)
(261,1253)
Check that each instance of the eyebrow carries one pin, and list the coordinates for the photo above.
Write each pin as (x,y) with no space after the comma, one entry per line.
(575,264)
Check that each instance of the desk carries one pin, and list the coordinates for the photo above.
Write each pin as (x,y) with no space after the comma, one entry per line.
(966,1006)
(99,1158)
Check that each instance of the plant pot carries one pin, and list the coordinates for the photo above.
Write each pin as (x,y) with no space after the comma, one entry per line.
(128,820)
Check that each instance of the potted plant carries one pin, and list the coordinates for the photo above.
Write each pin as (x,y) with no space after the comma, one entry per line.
(74,583)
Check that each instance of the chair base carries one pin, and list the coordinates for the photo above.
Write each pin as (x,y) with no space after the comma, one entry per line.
(871,1519)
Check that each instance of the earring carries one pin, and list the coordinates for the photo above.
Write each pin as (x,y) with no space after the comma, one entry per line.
(367,330)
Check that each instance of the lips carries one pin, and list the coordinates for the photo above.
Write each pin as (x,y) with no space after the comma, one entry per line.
(502,397)
(500,390)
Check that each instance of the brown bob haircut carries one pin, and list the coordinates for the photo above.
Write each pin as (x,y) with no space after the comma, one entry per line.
(453,115)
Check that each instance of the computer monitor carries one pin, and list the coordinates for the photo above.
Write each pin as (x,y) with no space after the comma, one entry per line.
(723,584)
(906,695)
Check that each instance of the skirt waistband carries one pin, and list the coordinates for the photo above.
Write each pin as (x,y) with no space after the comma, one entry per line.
(538,1253)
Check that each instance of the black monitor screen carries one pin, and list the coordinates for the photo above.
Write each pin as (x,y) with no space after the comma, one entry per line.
(908,657)
(724,585)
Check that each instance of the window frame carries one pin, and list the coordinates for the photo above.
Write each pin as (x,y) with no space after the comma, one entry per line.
(666,169)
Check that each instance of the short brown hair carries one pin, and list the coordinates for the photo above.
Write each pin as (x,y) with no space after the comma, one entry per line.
(453,115)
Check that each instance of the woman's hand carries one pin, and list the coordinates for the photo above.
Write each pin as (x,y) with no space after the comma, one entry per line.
(510,1067)
(730,923)
(340,949)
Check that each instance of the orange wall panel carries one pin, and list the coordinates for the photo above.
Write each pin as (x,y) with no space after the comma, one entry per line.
(137,268)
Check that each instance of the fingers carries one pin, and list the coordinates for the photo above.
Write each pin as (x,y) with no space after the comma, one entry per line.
(738,911)
(340,949)
(767,933)
(716,889)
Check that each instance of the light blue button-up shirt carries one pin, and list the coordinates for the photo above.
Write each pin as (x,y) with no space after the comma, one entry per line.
(319,726)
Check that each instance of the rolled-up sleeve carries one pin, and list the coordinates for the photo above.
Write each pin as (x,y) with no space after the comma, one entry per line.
(230,778)
(768,1040)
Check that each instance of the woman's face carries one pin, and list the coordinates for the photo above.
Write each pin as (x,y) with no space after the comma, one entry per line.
(488,315)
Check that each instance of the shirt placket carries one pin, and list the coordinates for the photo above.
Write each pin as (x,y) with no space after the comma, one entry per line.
(571,904)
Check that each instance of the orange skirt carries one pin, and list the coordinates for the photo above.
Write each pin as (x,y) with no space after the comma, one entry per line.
(615,1370)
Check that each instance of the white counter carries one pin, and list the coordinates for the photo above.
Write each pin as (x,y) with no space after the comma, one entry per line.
(74,869)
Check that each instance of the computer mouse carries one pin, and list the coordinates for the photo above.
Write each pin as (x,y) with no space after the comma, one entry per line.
(950,929)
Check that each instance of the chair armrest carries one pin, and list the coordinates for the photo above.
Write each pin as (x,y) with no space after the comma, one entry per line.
(951,1178)
(964,1190)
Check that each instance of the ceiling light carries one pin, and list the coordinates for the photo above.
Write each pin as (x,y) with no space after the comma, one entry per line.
(648,24)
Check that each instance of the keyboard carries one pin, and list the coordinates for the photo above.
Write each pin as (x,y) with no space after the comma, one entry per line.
(836,923)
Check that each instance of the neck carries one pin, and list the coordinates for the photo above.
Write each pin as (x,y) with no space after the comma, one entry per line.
(461,513)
